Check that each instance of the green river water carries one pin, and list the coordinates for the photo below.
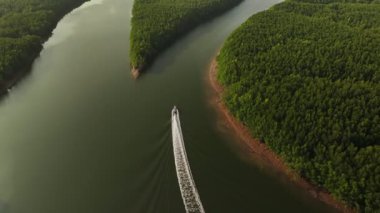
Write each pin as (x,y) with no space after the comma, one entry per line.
(78,135)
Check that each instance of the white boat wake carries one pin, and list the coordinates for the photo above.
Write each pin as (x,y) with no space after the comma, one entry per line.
(187,186)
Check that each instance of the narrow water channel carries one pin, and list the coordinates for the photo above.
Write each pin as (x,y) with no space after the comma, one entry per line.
(78,135)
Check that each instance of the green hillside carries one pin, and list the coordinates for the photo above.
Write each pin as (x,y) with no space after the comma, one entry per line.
(24,25)
(158,23)
(304,77)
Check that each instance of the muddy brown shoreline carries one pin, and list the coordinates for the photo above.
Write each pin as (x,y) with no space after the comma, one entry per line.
(258,150)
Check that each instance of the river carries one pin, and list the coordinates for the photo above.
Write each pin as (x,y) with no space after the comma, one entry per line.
(79,135)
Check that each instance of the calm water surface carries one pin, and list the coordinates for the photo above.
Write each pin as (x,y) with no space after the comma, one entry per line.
(79,135)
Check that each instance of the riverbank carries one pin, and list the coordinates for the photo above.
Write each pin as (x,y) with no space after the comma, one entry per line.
(23,67)
(7,84)
(259,150)
(156,26)
(135,72)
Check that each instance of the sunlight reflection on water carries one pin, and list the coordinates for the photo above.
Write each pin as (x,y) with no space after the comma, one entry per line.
(65,28)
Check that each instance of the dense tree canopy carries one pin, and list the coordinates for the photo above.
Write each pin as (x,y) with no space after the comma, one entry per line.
(304,77)
(157,23)
(24,24)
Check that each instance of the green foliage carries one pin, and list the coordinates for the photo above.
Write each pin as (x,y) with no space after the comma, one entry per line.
(304,77)
(157,23)
(24,24)
(15,52)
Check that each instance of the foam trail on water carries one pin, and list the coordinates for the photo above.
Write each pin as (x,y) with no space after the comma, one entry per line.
(187,186)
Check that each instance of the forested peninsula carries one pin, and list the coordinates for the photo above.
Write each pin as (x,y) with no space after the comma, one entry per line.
(24,26)
(156,24)
(304,77)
